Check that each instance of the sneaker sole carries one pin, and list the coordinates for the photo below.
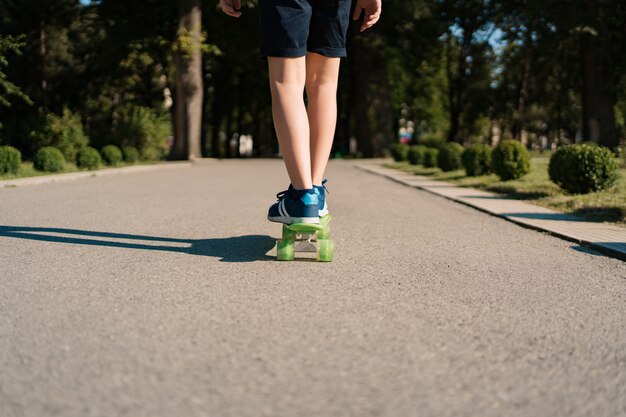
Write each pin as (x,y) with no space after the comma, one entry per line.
(293,220)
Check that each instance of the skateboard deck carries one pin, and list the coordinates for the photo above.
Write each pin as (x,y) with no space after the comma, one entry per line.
(304,237)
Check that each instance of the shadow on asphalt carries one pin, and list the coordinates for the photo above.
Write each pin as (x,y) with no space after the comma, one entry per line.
(248,248)
(545,216)
(589,251)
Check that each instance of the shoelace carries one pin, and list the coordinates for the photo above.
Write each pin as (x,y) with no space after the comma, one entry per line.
(324,185)
(281,194)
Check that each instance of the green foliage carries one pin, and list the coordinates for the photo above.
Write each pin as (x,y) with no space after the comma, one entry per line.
(63,132)
(49,159)
(416,154)
(432,141)
(131,154)
(7,88)
(112,155)
(10,160)
(431,157)
(146,130)
(449,157)
(88,158)
(476,159)
(510,160)
(580,169)
(399,152)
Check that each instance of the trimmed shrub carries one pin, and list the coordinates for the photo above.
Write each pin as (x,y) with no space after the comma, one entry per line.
(432,140)
(146,130)
(431,156)
(416,154)
(510,160)
(476,159)
(580,169)
(449,157)
(399,152)
(112,155)
(10,160)
(88,158)
(131,154)
(64,132)
(49,159)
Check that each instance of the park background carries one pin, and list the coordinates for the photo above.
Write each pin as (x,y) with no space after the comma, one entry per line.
(181,80)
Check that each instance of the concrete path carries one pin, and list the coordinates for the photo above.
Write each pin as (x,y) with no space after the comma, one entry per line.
(606,238)
(151,294)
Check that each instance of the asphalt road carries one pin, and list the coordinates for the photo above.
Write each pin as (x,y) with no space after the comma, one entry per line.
(152,294)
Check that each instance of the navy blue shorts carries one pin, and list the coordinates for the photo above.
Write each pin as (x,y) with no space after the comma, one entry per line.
(290,28)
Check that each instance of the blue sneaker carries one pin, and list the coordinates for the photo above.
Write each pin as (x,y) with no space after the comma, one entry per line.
(295,206)
(321,191)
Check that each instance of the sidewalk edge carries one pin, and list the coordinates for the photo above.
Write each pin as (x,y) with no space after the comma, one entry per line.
(592,245)
(69,176)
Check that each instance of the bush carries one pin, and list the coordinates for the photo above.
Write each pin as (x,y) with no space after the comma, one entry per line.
(88,158)
(416,154)
(510,160)
(131,154)
(449,157)
(432,140)
(10,160)
(146,130)
(477,160)
(399,152)
(580,169)
(112,155)
(64,132)
(49,159)
(431,155)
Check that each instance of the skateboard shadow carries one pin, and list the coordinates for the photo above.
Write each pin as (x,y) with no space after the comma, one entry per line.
(247,248)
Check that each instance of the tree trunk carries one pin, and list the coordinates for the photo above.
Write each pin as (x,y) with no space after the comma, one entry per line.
(598,97)
(42,60)
(457,80)
(189,91)
(519,122)
(360,98)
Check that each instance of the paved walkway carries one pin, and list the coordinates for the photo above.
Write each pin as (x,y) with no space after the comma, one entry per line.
(151,294)
(603,237)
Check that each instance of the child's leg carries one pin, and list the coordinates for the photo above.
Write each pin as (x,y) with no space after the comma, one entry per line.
(287,81)
(322,74)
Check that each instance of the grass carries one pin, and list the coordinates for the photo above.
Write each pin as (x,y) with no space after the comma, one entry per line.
(27,170)
(536,188)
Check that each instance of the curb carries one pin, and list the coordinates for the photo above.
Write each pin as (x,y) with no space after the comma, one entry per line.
(44,179)
(612,249)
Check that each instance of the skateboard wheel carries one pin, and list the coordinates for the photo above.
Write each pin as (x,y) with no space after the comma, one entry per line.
(323,234)
(325,250)
(285,250)
(289,234)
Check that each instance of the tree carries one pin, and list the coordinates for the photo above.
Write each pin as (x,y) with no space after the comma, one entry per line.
(189,88)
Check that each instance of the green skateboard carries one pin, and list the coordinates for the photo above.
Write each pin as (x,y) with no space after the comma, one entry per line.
(303,237)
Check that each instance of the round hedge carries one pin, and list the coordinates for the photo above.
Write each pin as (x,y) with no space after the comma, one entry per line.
(112,155)
(49,159)
(131,154)
(400,152)
(580,169)
(430,157)
(449,157)
(88,158)
(416,154)
(510,160)
(476,159)
(10,160)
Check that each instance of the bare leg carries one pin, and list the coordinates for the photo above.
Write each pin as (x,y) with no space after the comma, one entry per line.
(322,75)
(287,81)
